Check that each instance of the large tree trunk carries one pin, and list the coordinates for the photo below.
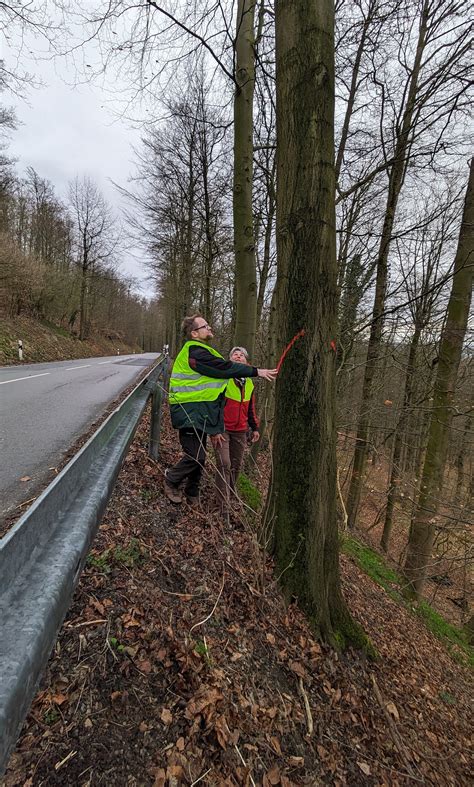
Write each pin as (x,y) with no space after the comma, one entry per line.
(402,149)
(244,241)
(304,484)
(422,530)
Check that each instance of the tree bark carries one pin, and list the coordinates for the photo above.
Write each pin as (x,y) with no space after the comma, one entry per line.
(422,530)
(462,455)
(303,502)
(244,241)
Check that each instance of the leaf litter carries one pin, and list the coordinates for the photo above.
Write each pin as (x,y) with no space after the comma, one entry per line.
(179,663)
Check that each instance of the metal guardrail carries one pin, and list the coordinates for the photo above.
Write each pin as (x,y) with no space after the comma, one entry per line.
(42,556)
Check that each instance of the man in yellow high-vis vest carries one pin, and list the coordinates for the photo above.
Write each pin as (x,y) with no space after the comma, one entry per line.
(197,386)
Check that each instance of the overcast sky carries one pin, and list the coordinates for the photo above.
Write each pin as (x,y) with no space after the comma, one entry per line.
(68,130)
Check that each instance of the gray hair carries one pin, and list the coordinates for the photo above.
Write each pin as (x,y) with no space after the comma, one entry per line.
(241,349)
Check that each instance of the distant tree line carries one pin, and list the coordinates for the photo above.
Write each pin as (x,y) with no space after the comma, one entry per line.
(59,262)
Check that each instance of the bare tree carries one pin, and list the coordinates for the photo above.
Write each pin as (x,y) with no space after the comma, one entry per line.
(96,237)
(422,531)
(424,252)
(434,90)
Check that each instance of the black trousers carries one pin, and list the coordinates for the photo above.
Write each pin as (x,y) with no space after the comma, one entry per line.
(191,466)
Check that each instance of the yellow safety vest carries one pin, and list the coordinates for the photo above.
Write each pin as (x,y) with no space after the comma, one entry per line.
(187,385)
(234,392)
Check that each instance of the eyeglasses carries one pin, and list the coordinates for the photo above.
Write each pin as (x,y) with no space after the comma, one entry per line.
(204,325)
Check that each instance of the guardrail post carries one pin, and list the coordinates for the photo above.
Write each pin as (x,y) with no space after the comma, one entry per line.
(155,422)
(159,393)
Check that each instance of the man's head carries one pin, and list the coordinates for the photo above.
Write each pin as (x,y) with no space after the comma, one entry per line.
(196,327)
(239,355)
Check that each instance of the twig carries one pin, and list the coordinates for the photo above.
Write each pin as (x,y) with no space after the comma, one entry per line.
(200,623)
(26,502)
(309,716)
(392,727)
(245,765)
(368,757)
(341,500)
(107,643)
(201,777)
(66,759)
(86,623)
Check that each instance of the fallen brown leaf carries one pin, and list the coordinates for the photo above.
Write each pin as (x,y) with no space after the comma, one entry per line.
(166,716)
(273,775)
(365,767)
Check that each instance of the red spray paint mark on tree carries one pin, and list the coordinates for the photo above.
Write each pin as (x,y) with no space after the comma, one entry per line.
(291,343)
(288,347)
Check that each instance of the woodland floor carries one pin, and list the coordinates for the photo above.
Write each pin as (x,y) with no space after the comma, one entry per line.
(179,664)
(450,582)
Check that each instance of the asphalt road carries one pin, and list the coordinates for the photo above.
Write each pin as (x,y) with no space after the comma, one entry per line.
(45,407)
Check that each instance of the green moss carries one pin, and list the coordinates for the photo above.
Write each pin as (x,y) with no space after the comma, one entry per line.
(343,634)
(56,329)
(352,634)
(453,638)
(131,554)
(248,492)
(372,563)
(100,560)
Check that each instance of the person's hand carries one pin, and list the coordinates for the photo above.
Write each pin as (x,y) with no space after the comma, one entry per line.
(217,440)
(268,374)
(255,436)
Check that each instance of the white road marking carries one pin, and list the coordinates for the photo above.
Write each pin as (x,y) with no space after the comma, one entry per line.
(101,363)
(30,377)
(70,368)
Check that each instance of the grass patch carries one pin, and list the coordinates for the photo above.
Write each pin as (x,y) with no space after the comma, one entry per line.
(7,349)
(454,638)
(248,492)
(130,555)
(373,564)
(51,326)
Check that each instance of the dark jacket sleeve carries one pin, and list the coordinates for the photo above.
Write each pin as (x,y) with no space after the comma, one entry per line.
(206,363)
(254,422)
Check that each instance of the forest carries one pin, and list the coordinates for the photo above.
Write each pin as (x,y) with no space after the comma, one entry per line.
(305,170)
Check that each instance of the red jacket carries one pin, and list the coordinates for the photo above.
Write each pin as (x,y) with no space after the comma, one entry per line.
(240,415)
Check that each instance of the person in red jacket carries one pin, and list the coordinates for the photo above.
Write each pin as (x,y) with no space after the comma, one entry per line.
(239,418)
